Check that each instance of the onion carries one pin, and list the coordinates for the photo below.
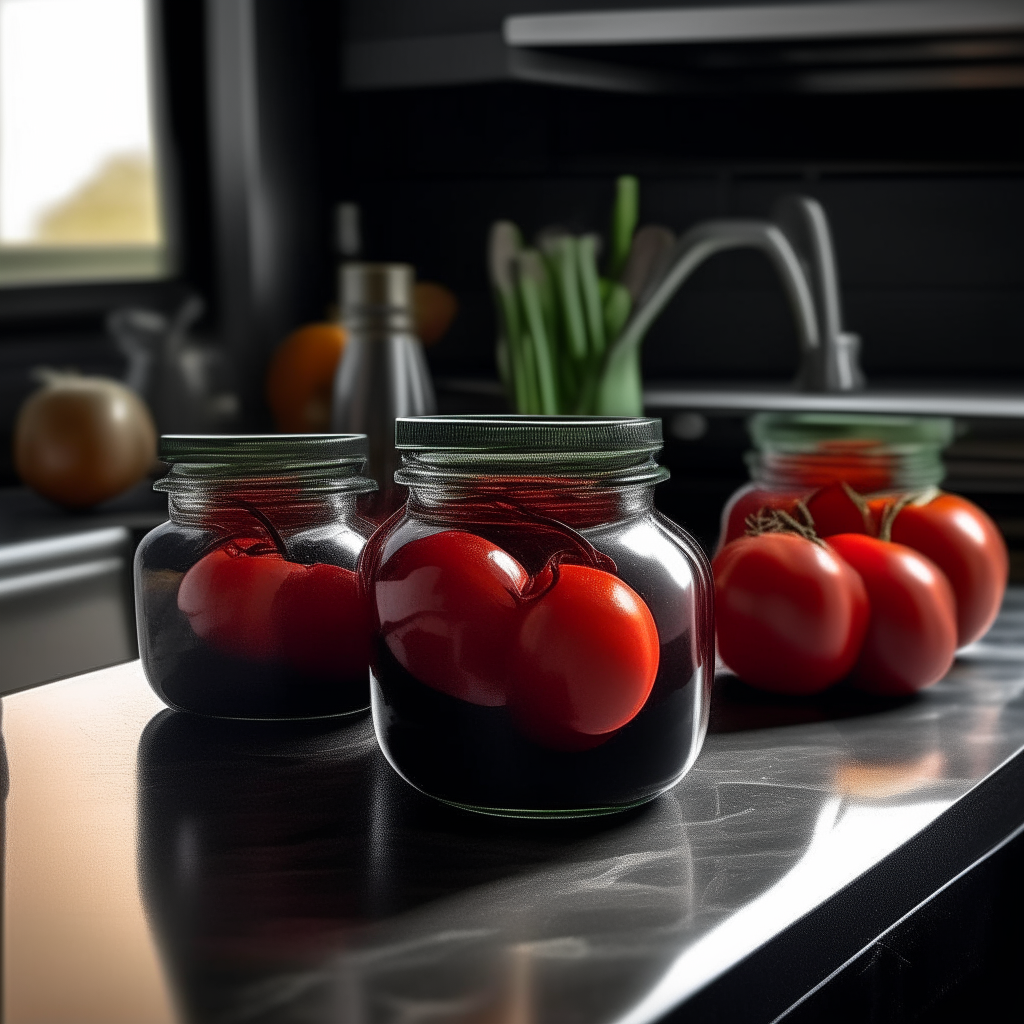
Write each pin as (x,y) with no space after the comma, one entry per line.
(82,440)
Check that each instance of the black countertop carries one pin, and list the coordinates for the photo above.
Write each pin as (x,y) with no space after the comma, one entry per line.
(161,867)
(25,515)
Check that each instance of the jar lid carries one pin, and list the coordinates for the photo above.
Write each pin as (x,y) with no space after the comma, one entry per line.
(809,428)
(320,462)
(294,450)
(529,435)
(608,451)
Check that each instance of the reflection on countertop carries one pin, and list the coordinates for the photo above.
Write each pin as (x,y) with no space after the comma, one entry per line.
(164,867)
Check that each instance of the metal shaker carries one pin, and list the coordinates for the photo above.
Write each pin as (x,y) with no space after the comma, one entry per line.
(383,373)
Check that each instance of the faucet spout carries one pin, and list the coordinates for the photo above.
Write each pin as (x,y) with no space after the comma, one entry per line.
(799,245)
(702,242)
(835,366)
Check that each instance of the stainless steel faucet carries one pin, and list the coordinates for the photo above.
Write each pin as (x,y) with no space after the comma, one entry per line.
(835,364)
(798,243)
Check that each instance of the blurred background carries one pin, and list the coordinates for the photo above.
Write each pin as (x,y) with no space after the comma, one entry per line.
(180,180)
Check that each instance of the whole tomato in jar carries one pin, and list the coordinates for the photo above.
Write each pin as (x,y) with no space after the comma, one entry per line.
(573,651)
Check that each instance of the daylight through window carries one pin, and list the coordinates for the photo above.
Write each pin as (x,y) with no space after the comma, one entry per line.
(79,181)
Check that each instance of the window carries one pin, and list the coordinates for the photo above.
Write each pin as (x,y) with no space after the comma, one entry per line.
(80,196)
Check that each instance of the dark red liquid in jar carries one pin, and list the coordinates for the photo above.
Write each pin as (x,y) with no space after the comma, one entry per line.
(235,629)
(249,601)
(524,666)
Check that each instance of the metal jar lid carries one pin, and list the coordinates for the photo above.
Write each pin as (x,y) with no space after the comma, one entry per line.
(322,462)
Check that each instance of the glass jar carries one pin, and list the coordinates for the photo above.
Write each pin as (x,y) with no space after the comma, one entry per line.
(545,638)
(796,453)
(248,600)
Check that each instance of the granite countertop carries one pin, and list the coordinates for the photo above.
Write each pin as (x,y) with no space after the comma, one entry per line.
(161,867)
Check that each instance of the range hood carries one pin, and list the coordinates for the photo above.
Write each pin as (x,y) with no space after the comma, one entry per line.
(833,46)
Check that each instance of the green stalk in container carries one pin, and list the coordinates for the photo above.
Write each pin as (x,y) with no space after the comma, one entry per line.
(617,306)
(532,279)
(531,392)
(586,251)
(561,253)
(618,390)
(625,214)
(568,380)
(503,247)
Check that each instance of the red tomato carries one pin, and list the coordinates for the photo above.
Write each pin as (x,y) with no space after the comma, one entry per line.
(968,547)
(835,509)
(790,614)
(584,661)
(447,606)
(746,502)
(228,596)
(324,622)
(911,638)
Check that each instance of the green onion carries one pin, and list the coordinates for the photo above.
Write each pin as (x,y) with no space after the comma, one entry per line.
(532,281)
(586,250)
(625,214)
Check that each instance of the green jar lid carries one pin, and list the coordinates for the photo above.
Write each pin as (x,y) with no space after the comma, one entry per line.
(263,449)
(317,462)
(529,435)
(610,450)
(771,429)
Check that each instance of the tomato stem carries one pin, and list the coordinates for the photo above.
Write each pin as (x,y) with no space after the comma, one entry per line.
(580,546)
(261,516)
(777,520)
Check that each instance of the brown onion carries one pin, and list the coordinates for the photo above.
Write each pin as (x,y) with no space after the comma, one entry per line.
(82,440)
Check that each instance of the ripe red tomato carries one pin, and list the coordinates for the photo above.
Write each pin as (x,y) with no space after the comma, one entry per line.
(447,605)
(228,596)
(746,502)
(324,622)
(837,509)
(584,660)
(575,663)
(911,636)
(790,614)
(968,547)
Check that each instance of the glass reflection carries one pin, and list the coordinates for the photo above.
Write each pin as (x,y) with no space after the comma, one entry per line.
(287,872)
(253,845)
(291,876)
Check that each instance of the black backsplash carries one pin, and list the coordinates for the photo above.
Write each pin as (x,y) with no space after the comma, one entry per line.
(925,193)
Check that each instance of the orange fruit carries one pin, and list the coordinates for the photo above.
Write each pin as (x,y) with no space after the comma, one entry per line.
(300,379)
(436,307)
